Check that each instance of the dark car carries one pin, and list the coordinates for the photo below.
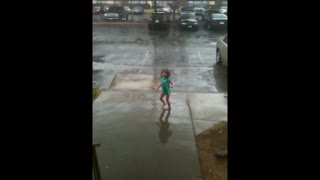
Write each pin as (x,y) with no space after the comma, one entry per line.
(188,21)
(96,9)
(116,13)
(100,9)
(159,19)
(216,20)
(199,11)
(138,10)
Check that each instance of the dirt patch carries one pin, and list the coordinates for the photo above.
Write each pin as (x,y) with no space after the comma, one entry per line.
(212,148)
(95,93)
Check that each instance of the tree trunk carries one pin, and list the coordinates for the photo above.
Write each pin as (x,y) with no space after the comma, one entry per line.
(174,15)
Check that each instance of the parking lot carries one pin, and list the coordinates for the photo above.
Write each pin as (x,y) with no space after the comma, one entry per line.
(190,55)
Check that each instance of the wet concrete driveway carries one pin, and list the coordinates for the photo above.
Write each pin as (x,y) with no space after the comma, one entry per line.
(138,140)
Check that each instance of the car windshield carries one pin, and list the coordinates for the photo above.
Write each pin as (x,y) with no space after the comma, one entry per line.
(219,16)
(157,15)
(114,9)
(187,9)
(213,11)
(188,16)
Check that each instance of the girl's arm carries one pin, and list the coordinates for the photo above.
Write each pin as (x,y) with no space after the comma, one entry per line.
(158,87)
(171,83)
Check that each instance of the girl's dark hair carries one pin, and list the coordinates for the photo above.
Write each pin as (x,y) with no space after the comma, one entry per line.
(165,71)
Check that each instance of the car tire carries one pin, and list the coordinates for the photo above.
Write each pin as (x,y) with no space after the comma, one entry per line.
(218,57)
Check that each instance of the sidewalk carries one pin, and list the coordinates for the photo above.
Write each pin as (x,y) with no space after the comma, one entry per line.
(138,143)
(136,140)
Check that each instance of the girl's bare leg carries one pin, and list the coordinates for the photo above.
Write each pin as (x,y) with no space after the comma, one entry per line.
(168,102)
(161,99)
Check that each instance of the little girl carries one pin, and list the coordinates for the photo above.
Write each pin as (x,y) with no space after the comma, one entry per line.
(165,84)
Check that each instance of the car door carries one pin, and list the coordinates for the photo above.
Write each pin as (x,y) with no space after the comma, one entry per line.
(224,50)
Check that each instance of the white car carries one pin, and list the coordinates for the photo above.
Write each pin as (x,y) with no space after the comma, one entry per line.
(166,9)
(127,8)
(222,50)
(223,9)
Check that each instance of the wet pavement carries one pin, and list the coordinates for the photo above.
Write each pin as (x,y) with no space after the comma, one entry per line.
(135,18)
(138,140)
(189,55)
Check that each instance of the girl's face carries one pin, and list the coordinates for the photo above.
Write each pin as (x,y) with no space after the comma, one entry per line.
(164,74)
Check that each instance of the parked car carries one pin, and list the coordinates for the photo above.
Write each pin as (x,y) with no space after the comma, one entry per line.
(167,9)
(187,10)
(199,11)
(116,13)
(159,19)
(138,10)
(222,50)
(216,21)
(207,13)
(223,9)
(100,9)
(189,21)
(127,8)
(96,9)
(179,9)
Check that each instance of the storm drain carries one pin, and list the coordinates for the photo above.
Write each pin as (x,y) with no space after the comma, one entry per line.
(133,81)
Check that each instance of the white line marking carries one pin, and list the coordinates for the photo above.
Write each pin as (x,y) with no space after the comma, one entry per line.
(213,86)
(144,60)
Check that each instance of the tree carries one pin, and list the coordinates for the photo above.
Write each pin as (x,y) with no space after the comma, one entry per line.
(175,5)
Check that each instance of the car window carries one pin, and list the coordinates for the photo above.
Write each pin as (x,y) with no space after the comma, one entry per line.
(160,15)
(187,9)
(114,9)
(188,16)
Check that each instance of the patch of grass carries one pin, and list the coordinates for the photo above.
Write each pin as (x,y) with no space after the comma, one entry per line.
(95,93)
(217,127)
(148,11)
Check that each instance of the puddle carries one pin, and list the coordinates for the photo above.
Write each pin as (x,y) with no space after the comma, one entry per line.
(133,81)
(97,59)
(210,143)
